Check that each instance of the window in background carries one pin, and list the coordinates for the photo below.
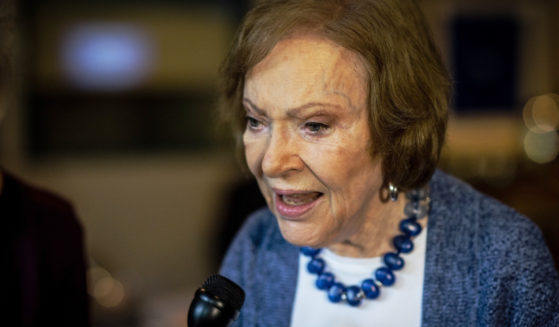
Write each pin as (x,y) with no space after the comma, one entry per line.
(123,77)
(485,62)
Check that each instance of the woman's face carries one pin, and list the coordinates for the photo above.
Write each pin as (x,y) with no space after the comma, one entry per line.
(307,140)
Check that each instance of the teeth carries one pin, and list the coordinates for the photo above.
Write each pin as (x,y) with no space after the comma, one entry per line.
(300,198)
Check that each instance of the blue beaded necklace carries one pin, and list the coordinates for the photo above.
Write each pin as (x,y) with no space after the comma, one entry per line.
(416,208)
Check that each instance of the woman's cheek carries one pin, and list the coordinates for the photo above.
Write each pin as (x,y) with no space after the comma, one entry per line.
(324,159)
(253,154)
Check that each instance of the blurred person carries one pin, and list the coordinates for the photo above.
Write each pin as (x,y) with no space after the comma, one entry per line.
(42,252)
(341,109)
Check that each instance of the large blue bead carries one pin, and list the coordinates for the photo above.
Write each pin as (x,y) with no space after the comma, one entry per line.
(316,266)
(370,289)
(385,276)
(310,252)
(336,292)
(325,280)
(410,226)
(354,297)
(403,244)
(393,261)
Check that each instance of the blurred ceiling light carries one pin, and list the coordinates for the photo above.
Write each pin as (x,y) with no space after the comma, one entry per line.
(541,113)
(541,148)
(106,56)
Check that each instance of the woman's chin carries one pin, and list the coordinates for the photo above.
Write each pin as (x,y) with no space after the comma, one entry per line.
(299,236)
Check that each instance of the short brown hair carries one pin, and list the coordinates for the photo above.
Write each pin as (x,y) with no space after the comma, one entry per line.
(408,85)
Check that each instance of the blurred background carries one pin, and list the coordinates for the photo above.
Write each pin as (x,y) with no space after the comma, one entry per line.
(115,110)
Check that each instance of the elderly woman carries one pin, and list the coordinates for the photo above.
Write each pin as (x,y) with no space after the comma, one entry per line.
(341,107)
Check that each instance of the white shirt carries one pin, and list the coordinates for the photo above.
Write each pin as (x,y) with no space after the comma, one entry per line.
(397,305)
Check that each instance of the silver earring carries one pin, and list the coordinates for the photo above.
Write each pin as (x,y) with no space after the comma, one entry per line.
(393,190)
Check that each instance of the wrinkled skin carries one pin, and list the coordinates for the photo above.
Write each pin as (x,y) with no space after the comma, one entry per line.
(307,137)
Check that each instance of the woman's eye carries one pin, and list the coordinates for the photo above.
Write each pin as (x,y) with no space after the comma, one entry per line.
(253,123)
(316,128)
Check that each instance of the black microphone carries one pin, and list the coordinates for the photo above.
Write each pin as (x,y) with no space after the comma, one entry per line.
(216,304)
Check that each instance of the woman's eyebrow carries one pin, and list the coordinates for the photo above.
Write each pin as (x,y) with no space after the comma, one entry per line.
(254,107)
(300,111)
(293,112)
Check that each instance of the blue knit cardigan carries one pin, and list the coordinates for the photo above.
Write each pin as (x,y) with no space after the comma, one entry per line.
(485,265)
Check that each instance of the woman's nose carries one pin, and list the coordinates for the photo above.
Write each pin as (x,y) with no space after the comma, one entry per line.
(281,155)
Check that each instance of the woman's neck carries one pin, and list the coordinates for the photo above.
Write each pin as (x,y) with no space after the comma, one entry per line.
(374,237)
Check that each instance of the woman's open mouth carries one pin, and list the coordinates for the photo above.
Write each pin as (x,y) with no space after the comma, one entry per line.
(292,204)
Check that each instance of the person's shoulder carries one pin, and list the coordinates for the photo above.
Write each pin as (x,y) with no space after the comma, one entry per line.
(259,227)
(259,234)
(44,206)
(49,201)
(499,228)
(502,232)
(453,193)
(509,257)
(457,196)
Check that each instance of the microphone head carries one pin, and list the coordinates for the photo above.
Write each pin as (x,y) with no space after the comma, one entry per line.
(216,304)
(225,289)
